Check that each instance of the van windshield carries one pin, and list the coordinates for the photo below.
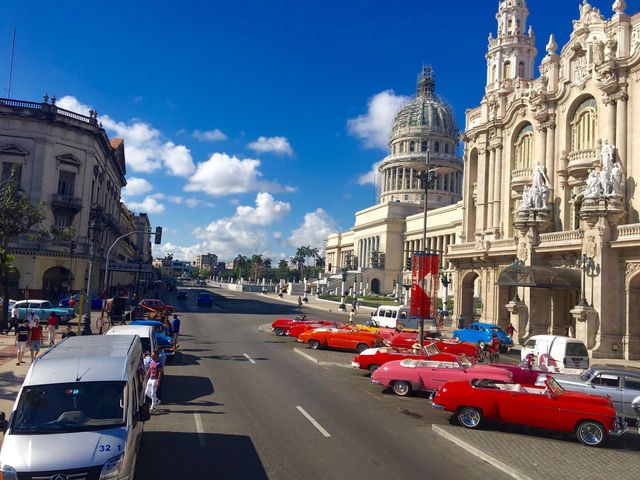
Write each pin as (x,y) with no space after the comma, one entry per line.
(411,323)
(69,407)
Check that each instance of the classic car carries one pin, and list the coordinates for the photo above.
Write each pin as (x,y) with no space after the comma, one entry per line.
(481,334)
(182,294)
(406,376)
(43,308)
(204,299)
(282,326)
(471,350)
(165,342)
(155,305)
(372,358)
(340,338)
(592,419)
(296,330)
(618,382)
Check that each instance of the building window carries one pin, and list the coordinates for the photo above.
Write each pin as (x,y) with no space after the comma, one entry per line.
(446,148)
(62,221)
(507,70)
(412,147)
(524,148)
(406,197)
(584,126)
(7,168)
(436,147)
(493,74)
(66,183)
(425,146)
(521,70)
(402,148)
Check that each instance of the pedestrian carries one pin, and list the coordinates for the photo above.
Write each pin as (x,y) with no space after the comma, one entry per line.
(460,322)
(440,323)
(511,330)
(494,349)
(175,327)
(168,328)
(102,322)
(299,304)
(33,318)
(22,337)
(52,326)
(35,341)
(72,302)
(68,333)
(162,359)
(153,379)
(352,314)
(15,321)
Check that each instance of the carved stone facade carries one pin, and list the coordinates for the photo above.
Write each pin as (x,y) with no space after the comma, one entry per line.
(577,122)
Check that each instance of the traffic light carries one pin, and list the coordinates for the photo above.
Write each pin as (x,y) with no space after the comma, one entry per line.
(158,235)
(409,263)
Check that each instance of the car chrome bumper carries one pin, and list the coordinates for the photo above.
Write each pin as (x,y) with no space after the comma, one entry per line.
(621,427)
(431,397)
(376,382)
(301,341)
(355,364)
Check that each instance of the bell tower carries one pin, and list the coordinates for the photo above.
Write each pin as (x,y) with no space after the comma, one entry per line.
(512,53)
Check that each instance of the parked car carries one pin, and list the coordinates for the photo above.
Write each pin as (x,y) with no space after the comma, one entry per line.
(471,350)
(297,329)
(96,301)
(282,326)
(557,352)
(340,338)
(406,376)
(373,358)
(165,342)
(182,294)
(43,308)
(155,305)
(482,333)
(592,419)
(618,382)
(205,299)
(394,316)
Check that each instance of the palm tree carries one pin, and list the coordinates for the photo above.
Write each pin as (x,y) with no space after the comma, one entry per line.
(240,262)
(256,264)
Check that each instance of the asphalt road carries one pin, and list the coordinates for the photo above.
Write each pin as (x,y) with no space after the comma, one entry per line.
(239,403)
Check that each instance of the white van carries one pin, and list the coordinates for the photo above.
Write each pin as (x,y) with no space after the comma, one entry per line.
(556,352)
(145,332)
(83,395)
(393,316)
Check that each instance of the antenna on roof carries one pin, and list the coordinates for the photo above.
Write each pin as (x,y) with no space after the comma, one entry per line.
(13,48)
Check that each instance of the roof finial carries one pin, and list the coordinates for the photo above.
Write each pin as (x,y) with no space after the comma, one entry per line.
(619,6)
(426,82)
(552,46)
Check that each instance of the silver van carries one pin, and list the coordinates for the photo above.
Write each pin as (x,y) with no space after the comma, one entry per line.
(85,393)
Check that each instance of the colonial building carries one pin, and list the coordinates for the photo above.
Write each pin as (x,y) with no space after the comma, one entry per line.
(376,249)
(550,223)
(66,161)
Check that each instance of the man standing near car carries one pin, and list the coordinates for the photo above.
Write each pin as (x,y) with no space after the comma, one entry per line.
(175,327)
(15,322)
(52,326)
(22,336)
(35,341)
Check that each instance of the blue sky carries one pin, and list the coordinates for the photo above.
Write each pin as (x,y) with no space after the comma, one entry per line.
(250,125)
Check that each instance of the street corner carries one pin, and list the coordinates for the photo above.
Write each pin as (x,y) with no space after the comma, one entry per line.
(526,454)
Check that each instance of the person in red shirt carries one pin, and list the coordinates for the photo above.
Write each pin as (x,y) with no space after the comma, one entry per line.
(35,341)
(494,349)
(52,326)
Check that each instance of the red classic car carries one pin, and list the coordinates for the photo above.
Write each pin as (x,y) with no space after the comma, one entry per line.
(155,305)
(372,358)
(341,338)
(406,376)
(282,326)
(296,330)
(593,419)
(471,350)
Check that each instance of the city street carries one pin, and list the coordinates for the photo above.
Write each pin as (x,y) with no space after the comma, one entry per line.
(240,403)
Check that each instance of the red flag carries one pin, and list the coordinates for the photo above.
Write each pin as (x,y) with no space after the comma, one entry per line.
(424,285)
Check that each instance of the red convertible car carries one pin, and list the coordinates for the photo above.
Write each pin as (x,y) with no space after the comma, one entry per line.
(155,305)
(406,339)
(593,419)
(282,326)
(296,330)
(372,358)
(341,338)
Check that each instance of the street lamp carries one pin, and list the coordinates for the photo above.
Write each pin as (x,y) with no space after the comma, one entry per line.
(344,272)
(445,279)
(588,267)
(93,228)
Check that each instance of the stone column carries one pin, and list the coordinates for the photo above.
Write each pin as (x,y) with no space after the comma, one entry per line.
(411,179)
(621,131)
(540,145)
(481,194)
(608,125)
(492,177)
(497,189)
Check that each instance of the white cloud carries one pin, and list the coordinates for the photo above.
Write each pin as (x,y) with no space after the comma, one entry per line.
(371,177)
(316,227)
(146,149)
(223,174)
(374,127)
(150,204)
(266,211)
(215,135)
(136,186)
(190,202)
(277,145)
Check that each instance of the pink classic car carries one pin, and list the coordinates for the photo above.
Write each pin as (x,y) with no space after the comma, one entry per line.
(406,376)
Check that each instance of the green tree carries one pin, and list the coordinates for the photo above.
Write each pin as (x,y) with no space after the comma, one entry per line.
(17,216)
(240,263)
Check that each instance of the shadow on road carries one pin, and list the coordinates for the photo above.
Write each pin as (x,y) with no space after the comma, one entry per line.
(186,389)
(199,457)
(9,385)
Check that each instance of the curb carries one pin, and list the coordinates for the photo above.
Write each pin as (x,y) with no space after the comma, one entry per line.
(509,470)
(315,360)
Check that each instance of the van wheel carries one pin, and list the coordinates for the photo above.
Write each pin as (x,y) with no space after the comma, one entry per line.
(401,388)
(591,433)
(314,344)
(361,347)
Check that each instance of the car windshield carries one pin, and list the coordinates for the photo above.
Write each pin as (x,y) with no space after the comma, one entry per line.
(464,361)
(431,350)
(554,386)
(69,407)
(495,329)
(586,375)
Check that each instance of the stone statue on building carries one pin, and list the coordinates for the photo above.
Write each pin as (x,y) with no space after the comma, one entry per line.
(527,201)
(607,154)
(540,190)
(594,188)
(605,182)
(598,52)
(616,180)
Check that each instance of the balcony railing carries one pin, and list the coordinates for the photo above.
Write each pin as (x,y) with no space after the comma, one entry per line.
(566,237)
(66,201)
(628,232)
(580,161)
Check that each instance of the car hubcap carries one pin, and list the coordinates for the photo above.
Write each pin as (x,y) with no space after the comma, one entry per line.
(591,434)
(401,388)
(469,417)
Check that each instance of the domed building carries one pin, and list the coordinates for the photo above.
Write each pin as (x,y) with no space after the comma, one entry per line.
(373,254)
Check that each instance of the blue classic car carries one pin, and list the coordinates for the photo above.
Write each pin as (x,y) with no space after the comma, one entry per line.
(205,299)
(43,308)
(481,333)
(165,342)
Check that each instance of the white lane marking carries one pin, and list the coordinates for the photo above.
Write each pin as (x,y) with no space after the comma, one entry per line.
(201,438)
(313,422)
(249,358)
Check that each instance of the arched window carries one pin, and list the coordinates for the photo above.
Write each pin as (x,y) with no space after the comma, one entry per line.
(402,148)
(584,126)
(493,73)
(412,147)
(521,70)
(506,70)
(524,148)
(446,148)
(436,147)
(424,146)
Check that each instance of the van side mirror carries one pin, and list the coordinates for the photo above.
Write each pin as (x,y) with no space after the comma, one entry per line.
(144,414)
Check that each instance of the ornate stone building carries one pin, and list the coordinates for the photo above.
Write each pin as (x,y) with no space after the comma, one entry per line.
(551,169)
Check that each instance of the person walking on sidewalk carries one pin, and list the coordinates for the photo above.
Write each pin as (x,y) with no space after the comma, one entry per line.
(299,304)
(494,349)
(352,314)
(33,318)
(153,379)
(35,341)
(52,326)
(511,330)
(15,321)
(175,327)
(22,336)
